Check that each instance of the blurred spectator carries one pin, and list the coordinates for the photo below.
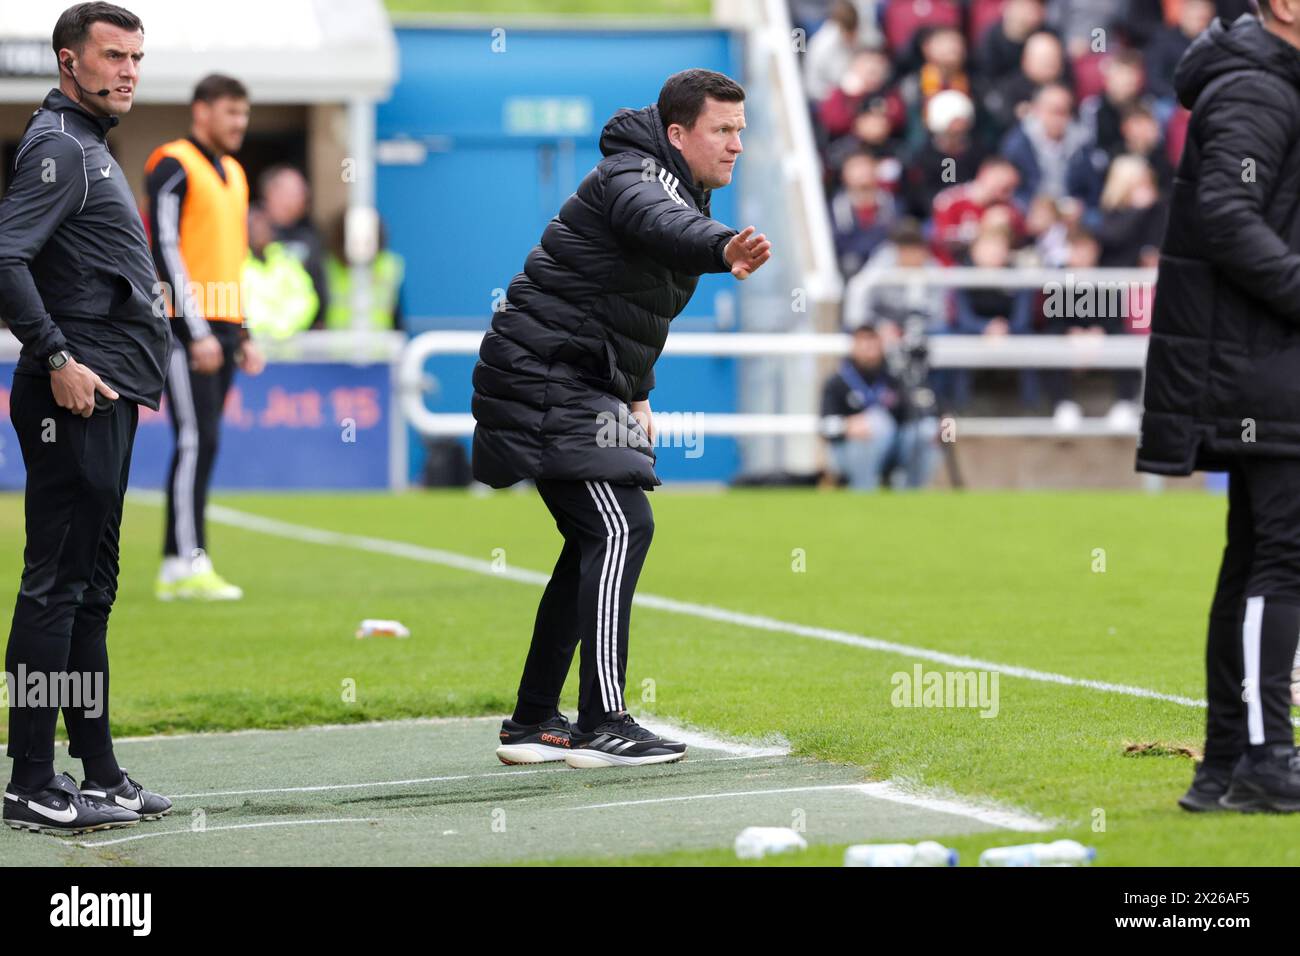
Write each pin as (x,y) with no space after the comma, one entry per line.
(387,271)
(950,154)
(1090,310)
(959,211)
(1102,114)
(1078,20)
(810,15)
(1043,144)
(1041,63)
(999,51)
(277,292)
(1168,44)
(862,213)
(904,19)
(874,434)
(830,49)
(1132,215)
(1140,134)
(286,198)
(1049,223)
(889,307)
(993,312)
(943,67)
(864,82)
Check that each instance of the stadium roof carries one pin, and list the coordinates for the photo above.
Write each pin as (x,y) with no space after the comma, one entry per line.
(285,51)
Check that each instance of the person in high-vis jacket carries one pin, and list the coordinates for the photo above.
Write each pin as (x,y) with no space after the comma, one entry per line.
(279,297)
(198,210)
(561,396)
(76,289)
(387,271)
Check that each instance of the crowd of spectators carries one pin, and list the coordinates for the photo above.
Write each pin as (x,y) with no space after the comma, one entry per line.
(992,133)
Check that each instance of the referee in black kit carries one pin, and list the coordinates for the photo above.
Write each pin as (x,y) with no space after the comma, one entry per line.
(1223,386)
(561,396)
(76,287)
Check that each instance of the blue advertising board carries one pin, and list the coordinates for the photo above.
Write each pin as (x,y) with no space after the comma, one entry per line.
(296,426)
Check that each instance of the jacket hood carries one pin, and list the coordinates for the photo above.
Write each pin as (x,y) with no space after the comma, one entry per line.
(1226,48)
(641,131)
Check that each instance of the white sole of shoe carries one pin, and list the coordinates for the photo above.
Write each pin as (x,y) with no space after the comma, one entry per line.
(591,759)
(65,831)
(530,753)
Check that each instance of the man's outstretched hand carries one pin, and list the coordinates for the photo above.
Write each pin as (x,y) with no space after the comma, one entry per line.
(746,252)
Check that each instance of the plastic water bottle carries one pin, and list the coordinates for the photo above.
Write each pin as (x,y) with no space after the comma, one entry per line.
(1059,853)
(754,843)
(927,853)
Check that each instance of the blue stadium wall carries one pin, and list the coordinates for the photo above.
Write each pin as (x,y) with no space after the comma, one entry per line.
(479,146)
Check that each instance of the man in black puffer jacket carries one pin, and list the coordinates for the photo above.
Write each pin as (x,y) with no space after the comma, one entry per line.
(1223,385)
(561,396)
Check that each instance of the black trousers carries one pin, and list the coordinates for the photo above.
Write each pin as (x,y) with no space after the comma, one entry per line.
(194,403)
(76,477)
(1255,616)
(607,531)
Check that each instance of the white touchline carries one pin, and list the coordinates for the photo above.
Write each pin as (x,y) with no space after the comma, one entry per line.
(91,844)
(415,552)
(1006,819)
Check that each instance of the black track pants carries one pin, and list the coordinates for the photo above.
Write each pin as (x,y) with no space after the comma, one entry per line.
(607,530)
(76,476)
(194,402)
(1255,617)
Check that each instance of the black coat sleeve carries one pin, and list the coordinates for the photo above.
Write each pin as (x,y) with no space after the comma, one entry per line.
(48,185)
(646,215)
(1248,119)
(166,186)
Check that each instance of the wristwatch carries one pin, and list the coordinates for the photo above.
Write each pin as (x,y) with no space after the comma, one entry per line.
(56,360)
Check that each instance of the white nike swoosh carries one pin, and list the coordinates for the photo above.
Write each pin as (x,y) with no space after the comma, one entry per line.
(66,815)
(106,170)
(137,804)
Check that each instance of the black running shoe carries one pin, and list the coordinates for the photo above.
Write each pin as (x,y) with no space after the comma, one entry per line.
(1208,785)
(619,741)
(534,743)
(1267,785)
(59,807)
(129,794)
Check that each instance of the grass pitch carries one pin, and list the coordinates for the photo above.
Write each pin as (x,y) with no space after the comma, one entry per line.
(1107,588)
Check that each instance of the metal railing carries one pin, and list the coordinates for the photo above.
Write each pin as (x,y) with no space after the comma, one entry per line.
(946,351)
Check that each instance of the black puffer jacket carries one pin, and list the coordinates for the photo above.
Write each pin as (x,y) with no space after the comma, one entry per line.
(584,322)
(1223,370)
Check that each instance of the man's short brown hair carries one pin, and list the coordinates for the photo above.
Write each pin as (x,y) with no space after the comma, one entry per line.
(73,27)
(217,86)
(681,100)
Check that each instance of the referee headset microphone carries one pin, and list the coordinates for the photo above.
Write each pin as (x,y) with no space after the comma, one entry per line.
(67,65)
